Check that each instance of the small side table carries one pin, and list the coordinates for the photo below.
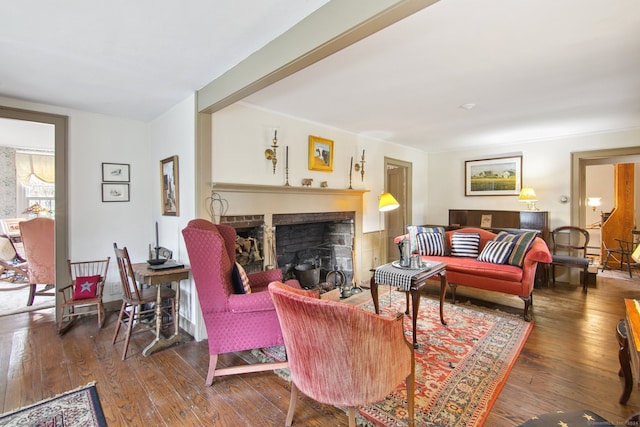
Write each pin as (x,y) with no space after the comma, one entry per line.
(410,281)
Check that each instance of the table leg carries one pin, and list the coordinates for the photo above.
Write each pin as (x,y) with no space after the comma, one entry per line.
(374,294)
(159,342)
(443,294)
(415,303)
(625,363)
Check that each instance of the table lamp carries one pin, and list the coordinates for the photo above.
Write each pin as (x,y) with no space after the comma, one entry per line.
(528,196)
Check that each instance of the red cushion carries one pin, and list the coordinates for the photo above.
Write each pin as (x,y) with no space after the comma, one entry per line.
(86,287)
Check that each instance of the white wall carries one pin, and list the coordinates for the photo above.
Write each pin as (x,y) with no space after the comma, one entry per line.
(546,166)
(242,132)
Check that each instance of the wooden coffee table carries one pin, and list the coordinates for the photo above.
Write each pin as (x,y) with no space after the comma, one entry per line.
(410,281)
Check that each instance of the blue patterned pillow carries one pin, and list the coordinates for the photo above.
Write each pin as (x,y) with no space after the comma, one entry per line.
(430,244)
(465,244)
(521,244)
(496,252)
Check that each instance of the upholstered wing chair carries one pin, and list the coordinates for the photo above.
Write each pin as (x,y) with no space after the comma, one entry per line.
(340,354)
(38,241)
(234,321)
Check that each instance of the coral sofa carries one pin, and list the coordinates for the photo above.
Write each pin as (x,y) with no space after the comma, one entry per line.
(511,276)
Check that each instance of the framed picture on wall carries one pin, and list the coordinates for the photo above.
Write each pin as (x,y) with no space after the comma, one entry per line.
(500,176)
(115,172)
(115,192)
(169,186)
(320,154)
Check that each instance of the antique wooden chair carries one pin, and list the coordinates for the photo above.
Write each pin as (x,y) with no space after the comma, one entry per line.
(342,355)
(234,321)
(570,250)
(624,251)
(83,295)
(38,242)
(13,268)
(137,302)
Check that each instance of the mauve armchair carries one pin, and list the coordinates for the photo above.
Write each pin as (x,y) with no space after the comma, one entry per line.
(234,322)
(340,354)
(38,241)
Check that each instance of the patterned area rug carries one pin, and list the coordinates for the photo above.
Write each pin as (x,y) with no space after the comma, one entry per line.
(460,368)
(75,408)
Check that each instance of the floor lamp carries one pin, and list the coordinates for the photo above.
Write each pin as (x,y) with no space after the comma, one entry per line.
(386,203)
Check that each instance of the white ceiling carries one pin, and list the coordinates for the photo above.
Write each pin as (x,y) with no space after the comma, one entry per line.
(534,68)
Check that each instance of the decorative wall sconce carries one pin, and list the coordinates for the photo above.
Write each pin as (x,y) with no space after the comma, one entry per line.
(359,167)
(594,202)
(271,153)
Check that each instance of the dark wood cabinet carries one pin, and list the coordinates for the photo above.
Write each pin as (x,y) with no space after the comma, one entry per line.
(499,220)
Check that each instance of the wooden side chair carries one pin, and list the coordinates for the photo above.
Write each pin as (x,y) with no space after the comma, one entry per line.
(624,251)
(137,302)
(570,250)
(13,268)
(83,295)
(38,242)
(342,355)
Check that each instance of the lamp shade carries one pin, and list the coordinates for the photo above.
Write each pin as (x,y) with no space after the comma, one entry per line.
(527,195)
(387,202)
(593,201)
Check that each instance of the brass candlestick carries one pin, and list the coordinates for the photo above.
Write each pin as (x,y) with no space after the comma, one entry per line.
(271,153)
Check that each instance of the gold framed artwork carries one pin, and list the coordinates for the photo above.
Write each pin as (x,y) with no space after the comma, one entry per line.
(320,154)
(169,186)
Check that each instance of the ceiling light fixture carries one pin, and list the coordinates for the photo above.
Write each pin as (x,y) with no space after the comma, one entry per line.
(469,106)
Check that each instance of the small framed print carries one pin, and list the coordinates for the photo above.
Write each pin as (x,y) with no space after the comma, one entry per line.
(170,188)
(320,154)
(115,172)
(115,192)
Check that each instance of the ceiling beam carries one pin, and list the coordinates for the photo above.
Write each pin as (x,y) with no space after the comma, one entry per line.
(334,26)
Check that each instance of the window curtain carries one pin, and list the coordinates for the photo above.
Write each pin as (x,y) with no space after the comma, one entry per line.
(42,166)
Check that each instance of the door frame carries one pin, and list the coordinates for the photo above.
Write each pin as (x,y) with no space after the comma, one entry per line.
(405,197)
(60,124)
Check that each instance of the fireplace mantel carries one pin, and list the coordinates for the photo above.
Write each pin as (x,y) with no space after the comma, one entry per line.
(283,189)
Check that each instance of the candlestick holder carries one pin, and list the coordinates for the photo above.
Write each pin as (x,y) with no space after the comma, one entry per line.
(271,153)
(286,177)
(350,173)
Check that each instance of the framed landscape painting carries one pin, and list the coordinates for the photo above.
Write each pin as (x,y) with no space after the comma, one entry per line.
(500,176)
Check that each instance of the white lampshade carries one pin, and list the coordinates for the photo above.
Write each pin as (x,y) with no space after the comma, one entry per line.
(528,195)
(387,203)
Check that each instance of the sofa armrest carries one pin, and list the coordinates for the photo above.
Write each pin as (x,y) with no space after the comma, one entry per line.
(397,239)
(539,252)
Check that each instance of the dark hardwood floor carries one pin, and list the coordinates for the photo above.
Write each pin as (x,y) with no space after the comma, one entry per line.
(570,361)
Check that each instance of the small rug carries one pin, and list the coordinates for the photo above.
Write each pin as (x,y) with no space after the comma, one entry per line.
(460,368)
(75,408)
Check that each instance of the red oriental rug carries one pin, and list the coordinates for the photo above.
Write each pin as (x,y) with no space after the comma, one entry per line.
(460,368)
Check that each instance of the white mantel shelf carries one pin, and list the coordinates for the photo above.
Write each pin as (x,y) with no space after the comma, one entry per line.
(280,189)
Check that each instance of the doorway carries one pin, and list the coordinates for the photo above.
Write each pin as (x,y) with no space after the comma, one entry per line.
(398,182)
(60,124)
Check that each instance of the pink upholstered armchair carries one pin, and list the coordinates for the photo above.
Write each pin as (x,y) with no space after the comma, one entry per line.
(38,241)
(234,322)
(340,354)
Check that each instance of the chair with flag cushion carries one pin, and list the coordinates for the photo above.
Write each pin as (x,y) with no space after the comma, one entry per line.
(83,294)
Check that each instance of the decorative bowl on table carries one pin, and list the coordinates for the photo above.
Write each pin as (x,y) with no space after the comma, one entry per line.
(156,261)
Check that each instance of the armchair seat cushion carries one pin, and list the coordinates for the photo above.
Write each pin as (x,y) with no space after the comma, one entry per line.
(566,259)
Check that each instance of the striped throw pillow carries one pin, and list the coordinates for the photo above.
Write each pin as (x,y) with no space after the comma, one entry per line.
(521,244)
(413,231)
(465,244)
(496,252)
(430,244)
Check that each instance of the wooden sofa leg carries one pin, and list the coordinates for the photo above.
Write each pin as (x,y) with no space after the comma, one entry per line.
(453,287)
(527,303)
